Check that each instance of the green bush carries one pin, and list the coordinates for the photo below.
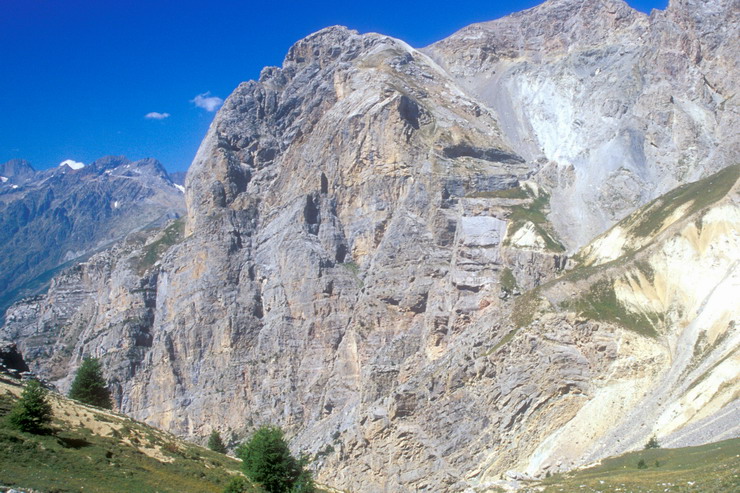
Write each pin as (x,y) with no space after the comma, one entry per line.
(89,385)
(267,461)
(238,484)
(32,412)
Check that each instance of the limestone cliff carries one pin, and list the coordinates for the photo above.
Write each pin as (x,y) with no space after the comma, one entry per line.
(376,254)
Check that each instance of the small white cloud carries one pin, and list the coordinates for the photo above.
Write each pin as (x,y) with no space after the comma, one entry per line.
(72,164)
(207,102)
(155,115)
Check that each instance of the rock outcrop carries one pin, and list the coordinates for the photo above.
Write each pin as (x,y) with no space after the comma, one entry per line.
(377,254)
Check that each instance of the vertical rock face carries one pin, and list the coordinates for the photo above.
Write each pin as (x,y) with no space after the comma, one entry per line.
(623,107)
(373,240)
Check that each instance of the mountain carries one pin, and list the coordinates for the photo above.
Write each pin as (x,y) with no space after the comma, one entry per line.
(52,217)
(511,253)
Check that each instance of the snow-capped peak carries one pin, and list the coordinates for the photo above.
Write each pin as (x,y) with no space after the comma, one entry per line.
(72,164)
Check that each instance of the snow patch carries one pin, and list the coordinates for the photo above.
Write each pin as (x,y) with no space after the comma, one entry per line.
(72,164)
(3,179)
(180,187)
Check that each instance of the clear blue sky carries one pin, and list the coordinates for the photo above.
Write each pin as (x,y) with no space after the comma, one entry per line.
(79,76)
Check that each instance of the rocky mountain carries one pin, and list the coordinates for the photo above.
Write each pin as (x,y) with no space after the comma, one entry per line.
(439,268)
(52,217)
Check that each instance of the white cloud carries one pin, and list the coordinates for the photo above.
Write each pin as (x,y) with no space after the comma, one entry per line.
(72,164)
(155,115)
(207,102)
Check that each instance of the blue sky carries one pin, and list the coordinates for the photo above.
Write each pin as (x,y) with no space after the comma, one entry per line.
(80,76)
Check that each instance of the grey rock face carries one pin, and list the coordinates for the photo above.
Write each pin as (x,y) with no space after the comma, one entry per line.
(623,106)
(366,228)
(52,217)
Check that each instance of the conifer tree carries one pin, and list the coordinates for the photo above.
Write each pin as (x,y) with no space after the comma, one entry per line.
(32,412)
(89,385)
(215,443)
(267,461)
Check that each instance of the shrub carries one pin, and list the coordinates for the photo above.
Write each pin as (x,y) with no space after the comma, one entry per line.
(32,412)
(215,443)
(641,464)
(89,385)
(238,484)
(268,462)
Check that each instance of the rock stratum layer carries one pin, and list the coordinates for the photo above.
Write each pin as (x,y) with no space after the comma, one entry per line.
(377,254)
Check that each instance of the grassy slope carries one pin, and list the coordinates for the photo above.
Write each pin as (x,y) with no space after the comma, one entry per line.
(710,468)
(96,451)
(596,299)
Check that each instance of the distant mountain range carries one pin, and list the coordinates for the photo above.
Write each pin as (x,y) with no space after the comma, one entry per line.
(52,217)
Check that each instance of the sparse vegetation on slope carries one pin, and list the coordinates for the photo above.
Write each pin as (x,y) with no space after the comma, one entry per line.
(534,213)
(694,196)
(172,234)
(711,468)
(104,452)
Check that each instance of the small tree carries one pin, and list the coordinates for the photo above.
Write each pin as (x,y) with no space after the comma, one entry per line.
(89,385)
(32,412)
(267,461)
(215,443)
(652,443)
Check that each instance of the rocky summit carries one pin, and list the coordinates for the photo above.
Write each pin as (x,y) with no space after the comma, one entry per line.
(511,253)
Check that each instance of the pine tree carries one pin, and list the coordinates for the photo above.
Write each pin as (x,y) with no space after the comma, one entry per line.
(267,461)
(215,443)
(32,412)
(89,385)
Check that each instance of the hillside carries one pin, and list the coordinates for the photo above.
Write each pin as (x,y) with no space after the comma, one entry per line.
(103,452)
(711,468)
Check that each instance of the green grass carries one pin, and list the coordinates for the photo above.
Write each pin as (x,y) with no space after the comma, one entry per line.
(73,458)
(171,235)
(526,307)
(536,214)
(711,468)
(508,281)
(648,220)
(600,303)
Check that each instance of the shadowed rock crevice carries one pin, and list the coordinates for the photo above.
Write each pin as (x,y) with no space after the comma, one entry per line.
(486,154)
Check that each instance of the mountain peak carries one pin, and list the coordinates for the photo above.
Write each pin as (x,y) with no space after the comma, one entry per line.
(17,170)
